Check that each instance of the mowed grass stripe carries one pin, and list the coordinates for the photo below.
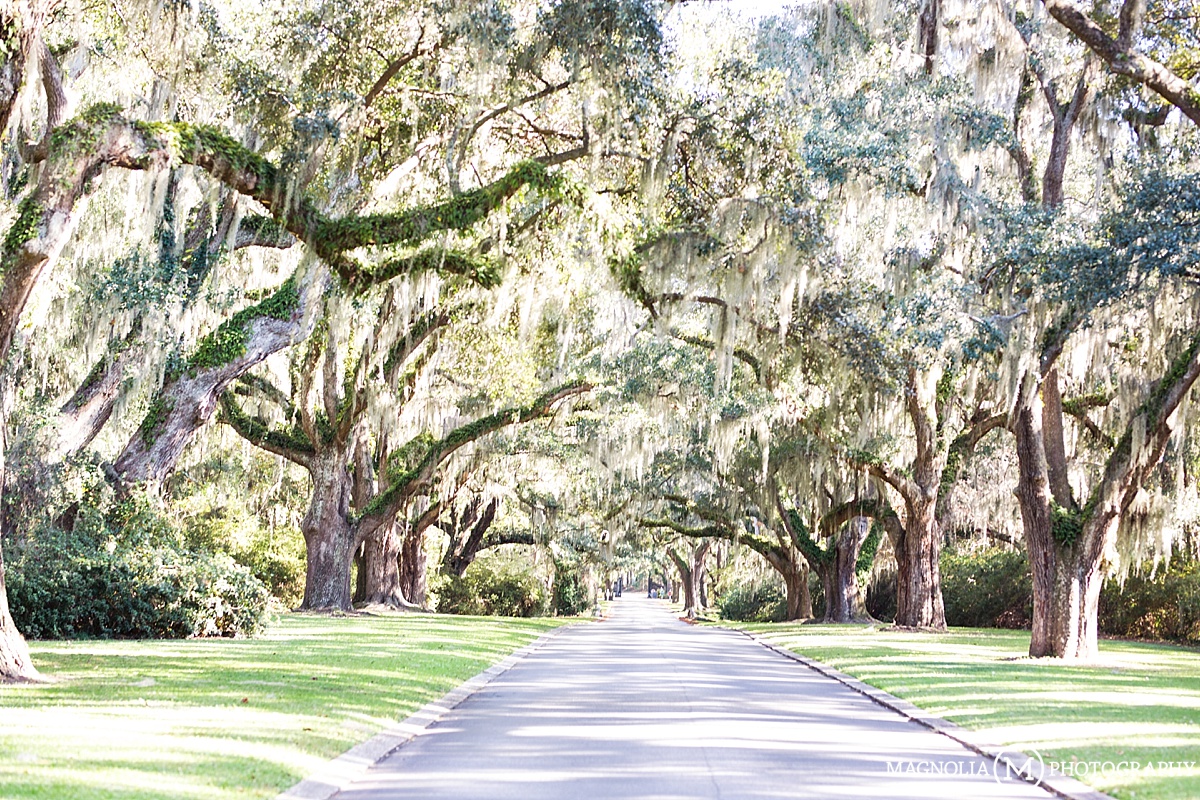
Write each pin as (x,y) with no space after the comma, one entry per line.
(1139,703)
(225,719)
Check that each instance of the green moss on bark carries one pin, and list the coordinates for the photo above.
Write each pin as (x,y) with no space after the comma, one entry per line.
(228,341)
(156,415)
(24,229)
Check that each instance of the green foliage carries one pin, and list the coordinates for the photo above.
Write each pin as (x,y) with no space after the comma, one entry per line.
(989,589)
(571,595)
(488,589)
(753,602)
(126,575)
(1065,525)
(23,229)
(274,557)
(228,341)
(160,408)
(870,546)
(1166,606)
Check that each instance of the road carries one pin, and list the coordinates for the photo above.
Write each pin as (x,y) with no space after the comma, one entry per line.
(644,706)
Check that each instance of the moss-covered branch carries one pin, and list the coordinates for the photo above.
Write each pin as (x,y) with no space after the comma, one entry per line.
(740,353)
(1078,407)
(291,443)
(409,482)
(480,271)
(102,136)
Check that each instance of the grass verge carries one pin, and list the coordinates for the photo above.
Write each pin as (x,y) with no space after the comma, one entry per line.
(1139,703)
(225,719)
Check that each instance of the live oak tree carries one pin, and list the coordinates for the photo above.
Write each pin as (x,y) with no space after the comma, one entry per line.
(1041,325)
(329,410)
(580,46)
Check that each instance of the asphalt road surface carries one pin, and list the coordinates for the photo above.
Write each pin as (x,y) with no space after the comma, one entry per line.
(644,706)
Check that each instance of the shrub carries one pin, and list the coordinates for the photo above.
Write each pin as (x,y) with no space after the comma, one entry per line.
(987,589)
(753,602)
(486,590)
(571,595)
(127,576)
(1165,607)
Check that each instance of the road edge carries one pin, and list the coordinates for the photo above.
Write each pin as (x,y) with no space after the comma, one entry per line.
(1052,780)
(340,772)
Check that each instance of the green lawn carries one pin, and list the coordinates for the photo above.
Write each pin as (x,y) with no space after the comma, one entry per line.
(1140,703)
(230,718)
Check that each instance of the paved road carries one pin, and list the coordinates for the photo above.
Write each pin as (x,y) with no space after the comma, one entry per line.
(644,706)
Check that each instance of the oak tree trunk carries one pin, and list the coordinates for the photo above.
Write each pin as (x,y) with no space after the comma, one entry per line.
(15,663)
(381,567)
(918,578)
(413,583)
(844,598)
(329,537)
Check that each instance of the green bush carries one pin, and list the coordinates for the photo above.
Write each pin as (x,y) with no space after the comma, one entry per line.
(571,595)
(753,602)
(1165,607)
(987,589)
(487,590)
(128,576)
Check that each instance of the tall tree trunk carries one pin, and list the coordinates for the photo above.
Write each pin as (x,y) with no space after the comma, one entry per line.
(844,599)
(329,537)
(1066,546)
(381,551)
(794,571)
(919,580)
(1033,497)
(413,580)
(690,572)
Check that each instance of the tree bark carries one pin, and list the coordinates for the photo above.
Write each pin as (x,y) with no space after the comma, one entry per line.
(462,551)
(794,572)
(413,580)
(919,580)
(15,663)
(381,568)
(329,538)
(690,571)
(844,599)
